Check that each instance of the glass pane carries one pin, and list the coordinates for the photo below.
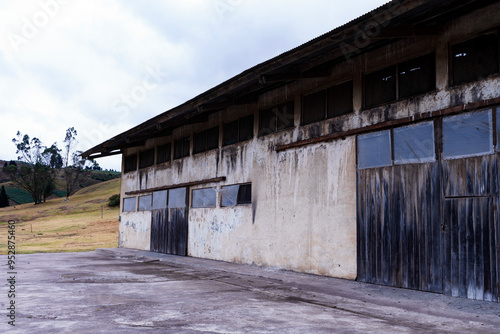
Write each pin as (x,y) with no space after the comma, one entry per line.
(177,198)
(374,149)
(129,204)
(204,198)
(160,199)
(467,135)
(229,195)
(414,143)
(145,203)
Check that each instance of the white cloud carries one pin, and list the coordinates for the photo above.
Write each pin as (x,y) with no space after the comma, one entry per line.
(88,64)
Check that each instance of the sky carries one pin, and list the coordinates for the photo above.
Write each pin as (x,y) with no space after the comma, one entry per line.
(105,66)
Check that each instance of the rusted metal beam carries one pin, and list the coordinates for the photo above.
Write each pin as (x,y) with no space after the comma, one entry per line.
(391,123)
(178,185)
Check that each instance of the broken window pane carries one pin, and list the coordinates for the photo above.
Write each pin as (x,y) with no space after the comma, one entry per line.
(475,59)
(414,143)
(380,87)
(160,199)
(129,204)
(236,194)
(417,76)
(374,149)
(147,158)
(130,163)
(163,153)
(314,107)
(468,134)
(204,198)
(339,100)
(145,203)
(229,195)
(177,198)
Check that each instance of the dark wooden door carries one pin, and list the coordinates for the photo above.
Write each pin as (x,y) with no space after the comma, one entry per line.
(399,226)
(159,230)
(169,226)
(470,228)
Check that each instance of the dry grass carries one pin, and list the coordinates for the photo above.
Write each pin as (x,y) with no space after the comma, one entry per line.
(58,226)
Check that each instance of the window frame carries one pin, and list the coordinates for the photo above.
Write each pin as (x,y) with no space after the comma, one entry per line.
(159,148)
(126,168)
(451,78)
(148,154)
(239,124)
(204,135)
(237,199)
(273,112)
(124,207)
(185,143)
(198,190)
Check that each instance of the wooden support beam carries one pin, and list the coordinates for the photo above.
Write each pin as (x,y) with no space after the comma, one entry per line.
(178,185)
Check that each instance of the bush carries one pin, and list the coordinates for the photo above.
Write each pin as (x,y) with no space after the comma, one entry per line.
(114,200)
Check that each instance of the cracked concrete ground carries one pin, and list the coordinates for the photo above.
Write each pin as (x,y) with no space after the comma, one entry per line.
(130,291)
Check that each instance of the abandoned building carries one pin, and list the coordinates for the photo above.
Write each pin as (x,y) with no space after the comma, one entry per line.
(368,153)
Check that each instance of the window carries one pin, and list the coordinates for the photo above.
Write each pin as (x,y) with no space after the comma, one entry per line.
(177,198)
(206,140)
(130,163)
(160,199)
(414,143)
(276,118)
(145,203)
(374,149)
(380,87)
(237,131)
(314,106)
(129,204)
(163,153)
(339,100)
(147,158)
(417,76)
(468,134)
(332,102)
(474,59)
(406,79)
(204,198)
(236,194)
(181,148)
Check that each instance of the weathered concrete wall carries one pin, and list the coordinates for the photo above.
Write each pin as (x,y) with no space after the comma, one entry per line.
(303,215)
(303,212)
(135,230)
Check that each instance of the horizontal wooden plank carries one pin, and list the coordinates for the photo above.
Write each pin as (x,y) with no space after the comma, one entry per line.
(178,185)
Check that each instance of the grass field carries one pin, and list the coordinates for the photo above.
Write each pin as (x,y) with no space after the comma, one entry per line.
(59,226)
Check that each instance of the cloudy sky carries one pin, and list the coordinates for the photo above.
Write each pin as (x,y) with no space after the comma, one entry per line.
(104,66)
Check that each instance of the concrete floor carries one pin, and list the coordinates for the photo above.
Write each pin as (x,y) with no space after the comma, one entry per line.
(129,291)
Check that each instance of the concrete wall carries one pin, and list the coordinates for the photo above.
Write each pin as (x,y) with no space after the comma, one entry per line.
(303,212)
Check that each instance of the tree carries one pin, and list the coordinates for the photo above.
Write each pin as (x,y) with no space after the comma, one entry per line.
(4,199)
(35,175)
(74,165)
(52,157)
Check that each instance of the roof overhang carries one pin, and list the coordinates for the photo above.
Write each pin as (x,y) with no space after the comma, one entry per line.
(316,58)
